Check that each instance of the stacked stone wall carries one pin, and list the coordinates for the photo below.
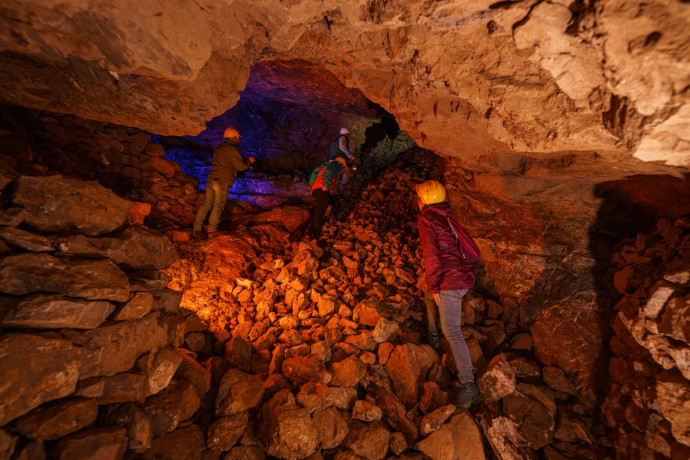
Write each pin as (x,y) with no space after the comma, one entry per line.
(88,330)
(648,405)
(119,158)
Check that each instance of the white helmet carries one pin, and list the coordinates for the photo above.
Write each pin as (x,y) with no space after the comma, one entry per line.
(344,131)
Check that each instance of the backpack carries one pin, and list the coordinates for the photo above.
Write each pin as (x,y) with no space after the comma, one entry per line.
(469,252)
(316,172)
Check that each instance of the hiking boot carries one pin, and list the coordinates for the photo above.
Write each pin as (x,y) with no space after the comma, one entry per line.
(434,341)
(469,394)
(212,234)
(197,235)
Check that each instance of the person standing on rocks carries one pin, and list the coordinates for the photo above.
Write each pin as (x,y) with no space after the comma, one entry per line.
(322,181)
(448,263)
(341,148)
(226,162)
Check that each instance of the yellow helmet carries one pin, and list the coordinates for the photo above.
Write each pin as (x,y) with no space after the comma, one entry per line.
(431,192)
(231,132)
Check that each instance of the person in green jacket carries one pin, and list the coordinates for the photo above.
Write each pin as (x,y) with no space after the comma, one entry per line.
(322,181)
(227,161)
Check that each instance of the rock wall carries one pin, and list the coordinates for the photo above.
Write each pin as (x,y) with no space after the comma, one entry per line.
(88,329)
(646,408)
(120,158)
(528,76)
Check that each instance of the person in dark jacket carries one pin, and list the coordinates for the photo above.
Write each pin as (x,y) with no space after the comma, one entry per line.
(322,182)
(449,276)
(226,162)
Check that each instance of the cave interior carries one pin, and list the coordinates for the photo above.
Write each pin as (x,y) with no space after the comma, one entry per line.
(125,335)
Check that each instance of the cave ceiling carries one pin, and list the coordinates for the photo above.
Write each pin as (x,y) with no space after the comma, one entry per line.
(464,78)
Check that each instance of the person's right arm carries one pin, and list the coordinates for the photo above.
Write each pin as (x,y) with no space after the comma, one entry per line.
(342,143)
(233,155)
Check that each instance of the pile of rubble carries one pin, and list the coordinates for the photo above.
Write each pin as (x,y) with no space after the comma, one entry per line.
(648,405)
(324,345)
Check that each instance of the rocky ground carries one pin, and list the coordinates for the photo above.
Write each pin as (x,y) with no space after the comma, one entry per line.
(336,331)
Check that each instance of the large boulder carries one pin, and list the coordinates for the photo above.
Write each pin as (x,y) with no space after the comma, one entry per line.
(368,440)
(238,392)
(331,427)
(498,380)
(459,439)
(673,394)
(287,430)
(135,420)
(225,431)
(27,273)
(35,370)
(134,248)
(58,420)
(60,205)
(55,311)
(106,443)
(182,444)
(114,348)
(173,405)
(348,372)
(407,367)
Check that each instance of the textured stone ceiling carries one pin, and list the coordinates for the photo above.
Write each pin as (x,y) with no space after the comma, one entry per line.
(464,78)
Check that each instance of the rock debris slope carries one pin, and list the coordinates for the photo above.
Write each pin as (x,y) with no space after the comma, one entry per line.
(337,336)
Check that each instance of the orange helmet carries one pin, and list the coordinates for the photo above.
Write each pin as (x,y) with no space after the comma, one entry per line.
(231,133)
(431,192)
(341,160)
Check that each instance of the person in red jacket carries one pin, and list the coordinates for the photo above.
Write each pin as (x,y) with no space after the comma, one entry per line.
(449,276)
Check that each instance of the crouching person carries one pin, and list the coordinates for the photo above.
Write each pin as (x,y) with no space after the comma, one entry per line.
(322,183)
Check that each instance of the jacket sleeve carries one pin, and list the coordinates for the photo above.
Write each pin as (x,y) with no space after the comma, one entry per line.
(430,249)
(342,143)
(238,162)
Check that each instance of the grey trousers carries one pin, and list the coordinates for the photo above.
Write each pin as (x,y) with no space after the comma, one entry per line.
(450,314)
(216,197)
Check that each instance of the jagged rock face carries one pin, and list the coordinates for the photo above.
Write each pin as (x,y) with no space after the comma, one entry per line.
(463,78)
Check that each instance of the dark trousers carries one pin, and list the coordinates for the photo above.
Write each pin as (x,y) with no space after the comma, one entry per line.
(322,198)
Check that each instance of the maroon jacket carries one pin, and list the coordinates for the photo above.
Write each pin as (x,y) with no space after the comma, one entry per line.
(444,271)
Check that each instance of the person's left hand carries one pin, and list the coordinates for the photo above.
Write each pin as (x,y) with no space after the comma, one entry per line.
(437,298)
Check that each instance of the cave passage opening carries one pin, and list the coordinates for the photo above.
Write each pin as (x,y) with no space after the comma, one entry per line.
(289,114)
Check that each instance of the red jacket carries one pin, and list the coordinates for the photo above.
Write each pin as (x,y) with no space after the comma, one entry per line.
(444,271)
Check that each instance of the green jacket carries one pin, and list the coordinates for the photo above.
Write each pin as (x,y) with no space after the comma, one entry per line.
(226,162)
